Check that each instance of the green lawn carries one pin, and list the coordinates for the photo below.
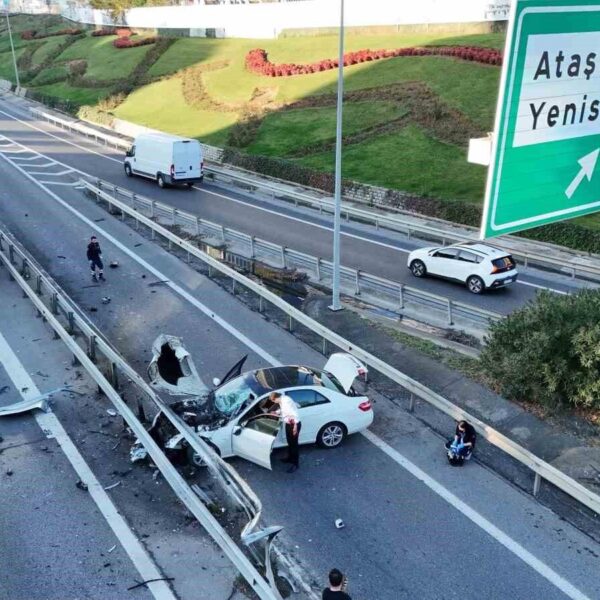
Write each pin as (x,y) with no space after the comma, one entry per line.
(411,161)
(50,74)
(50,45)
(79,96)
(285,132)
(105,62)
(7,70)
(161,105)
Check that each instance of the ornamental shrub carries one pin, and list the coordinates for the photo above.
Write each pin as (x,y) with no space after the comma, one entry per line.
(102,32)
(548,352)
(257,60)
(128,42)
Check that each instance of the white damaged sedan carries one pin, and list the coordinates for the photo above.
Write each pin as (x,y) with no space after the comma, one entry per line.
(233,417)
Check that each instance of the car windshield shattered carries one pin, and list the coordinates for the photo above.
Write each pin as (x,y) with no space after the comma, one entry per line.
(230,397)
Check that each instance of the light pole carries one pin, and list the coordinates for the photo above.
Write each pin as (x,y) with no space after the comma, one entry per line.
(335,300)
(12,47)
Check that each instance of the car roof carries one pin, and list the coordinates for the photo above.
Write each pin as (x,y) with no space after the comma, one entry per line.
(275,378)
(482,249)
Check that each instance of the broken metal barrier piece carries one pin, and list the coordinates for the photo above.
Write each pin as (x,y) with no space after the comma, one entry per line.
(40,402)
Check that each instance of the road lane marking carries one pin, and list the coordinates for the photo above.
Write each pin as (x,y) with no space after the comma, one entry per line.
(513,546)
(53,429)
(158,274)
(541,287)
(238,201)
(504,539)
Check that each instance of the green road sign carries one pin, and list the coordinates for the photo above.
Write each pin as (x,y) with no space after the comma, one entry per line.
(544,165)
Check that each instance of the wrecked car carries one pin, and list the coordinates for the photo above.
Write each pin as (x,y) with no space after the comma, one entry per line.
(232,416)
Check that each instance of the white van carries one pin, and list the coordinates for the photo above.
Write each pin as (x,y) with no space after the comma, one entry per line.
(168,159)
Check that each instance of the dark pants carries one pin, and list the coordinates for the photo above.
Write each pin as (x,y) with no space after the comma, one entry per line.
(96,262)
(292,441)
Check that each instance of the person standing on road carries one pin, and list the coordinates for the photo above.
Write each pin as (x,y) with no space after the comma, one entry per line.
(337,587)
(94,255)
(288,410)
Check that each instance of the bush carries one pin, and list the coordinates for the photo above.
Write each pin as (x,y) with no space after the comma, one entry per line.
(31,34)
(257,60)
(127,42)
(77,67)
(102,32)
(549,351)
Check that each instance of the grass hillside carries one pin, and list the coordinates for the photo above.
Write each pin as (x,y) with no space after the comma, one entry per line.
(201,88)
(407,120)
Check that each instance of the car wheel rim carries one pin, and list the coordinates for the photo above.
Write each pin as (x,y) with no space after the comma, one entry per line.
(418,269)
(197,460)
(332,436)
(475,285)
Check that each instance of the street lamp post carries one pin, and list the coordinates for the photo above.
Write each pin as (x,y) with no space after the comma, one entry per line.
(13,49)
(335,301)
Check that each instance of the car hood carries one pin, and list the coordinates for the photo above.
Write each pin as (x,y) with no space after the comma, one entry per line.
(172,369)
(345,368)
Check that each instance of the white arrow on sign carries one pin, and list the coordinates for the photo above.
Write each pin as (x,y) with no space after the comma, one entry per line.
(587,164)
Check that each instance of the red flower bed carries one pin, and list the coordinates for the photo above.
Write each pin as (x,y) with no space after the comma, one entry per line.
(123,32)
(257,60)
(127,42)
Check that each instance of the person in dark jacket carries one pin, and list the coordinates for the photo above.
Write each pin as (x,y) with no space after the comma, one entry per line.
(463,443)
(336,590)
(94,255)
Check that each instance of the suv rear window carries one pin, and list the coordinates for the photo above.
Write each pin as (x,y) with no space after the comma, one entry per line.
(503,264)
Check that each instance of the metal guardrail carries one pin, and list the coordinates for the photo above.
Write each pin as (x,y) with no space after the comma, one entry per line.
(354,282)
(284,191)
(541,469)
(232,484)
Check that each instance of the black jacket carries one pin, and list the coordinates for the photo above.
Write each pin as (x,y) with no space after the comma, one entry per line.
(93,251)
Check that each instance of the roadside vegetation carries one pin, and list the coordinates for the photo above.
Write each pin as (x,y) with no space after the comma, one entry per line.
(407,119)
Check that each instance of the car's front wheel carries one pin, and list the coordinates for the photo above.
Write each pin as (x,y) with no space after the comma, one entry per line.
(195,459)
(475,284)
(331,435)
(418,268)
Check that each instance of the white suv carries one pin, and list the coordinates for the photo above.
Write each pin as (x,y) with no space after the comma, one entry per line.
(478,266)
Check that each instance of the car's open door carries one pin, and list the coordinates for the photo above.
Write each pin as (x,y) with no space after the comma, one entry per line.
(254,439)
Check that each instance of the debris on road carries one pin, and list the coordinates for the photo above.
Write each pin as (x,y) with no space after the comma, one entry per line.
(141,583)
(105,300)
(111,411)
(112,548)
(81,485)
(3,389)
(110,487)
(61,256)
(137,453)
(93,309)
(40,402)
(339,524)
(137,245)
(114,264)
(9,472)
(159,282)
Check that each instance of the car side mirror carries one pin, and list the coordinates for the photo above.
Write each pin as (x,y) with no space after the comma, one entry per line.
(216,381)
(129,153)
(237,430)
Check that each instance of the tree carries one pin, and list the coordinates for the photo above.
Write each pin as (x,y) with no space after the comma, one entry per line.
(548,352)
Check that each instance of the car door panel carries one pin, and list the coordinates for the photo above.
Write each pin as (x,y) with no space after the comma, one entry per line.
(314,409)
(254,441)
(442,263)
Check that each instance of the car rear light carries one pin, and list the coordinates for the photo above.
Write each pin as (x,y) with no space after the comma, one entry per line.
(172,170)
(365,406)
(494,270)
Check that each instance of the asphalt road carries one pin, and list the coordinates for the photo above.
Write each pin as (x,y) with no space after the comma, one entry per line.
(381,253)
(414,526)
